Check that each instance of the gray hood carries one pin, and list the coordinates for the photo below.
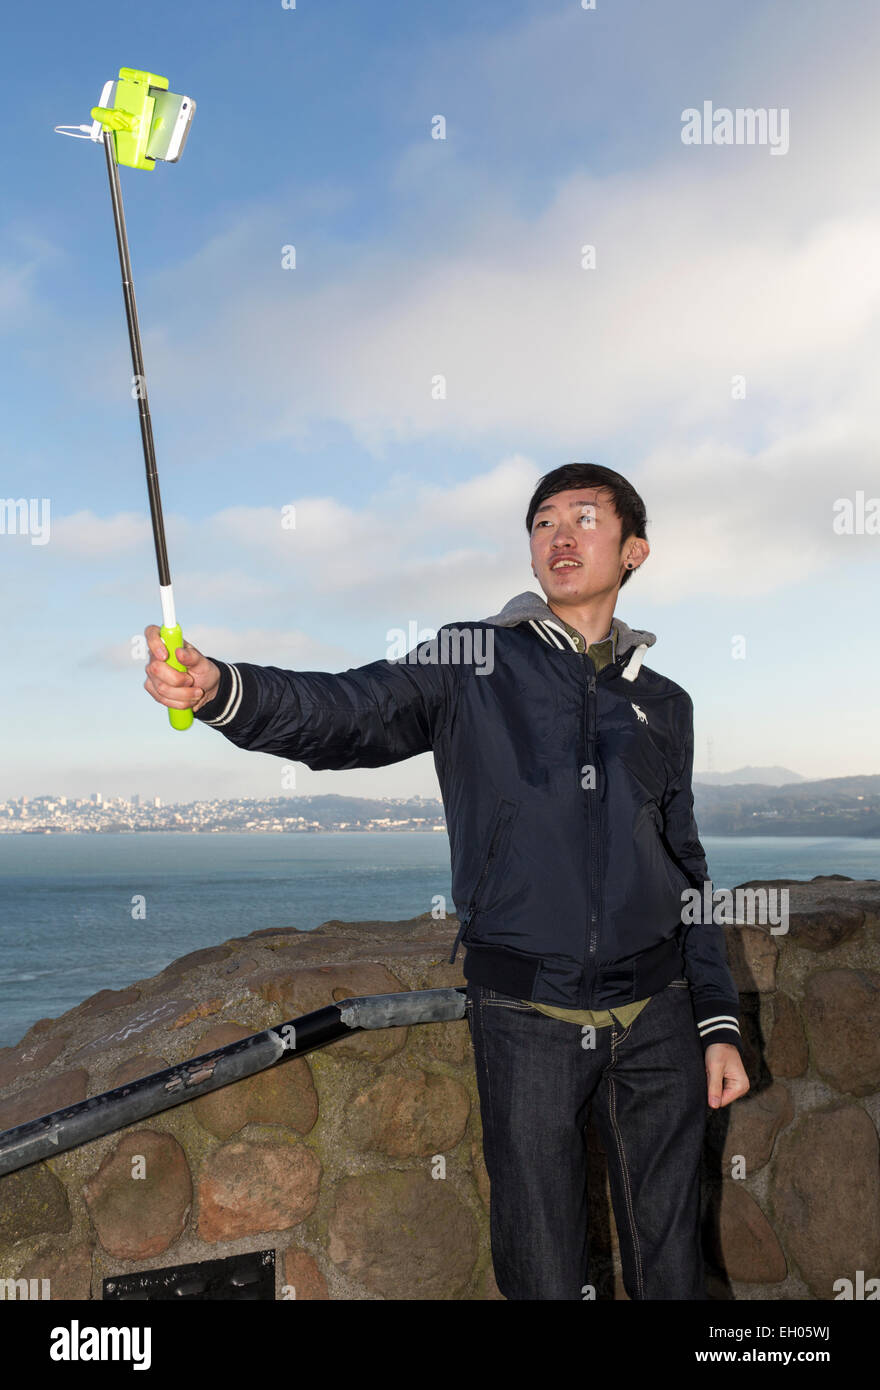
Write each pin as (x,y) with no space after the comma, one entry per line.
(530,605)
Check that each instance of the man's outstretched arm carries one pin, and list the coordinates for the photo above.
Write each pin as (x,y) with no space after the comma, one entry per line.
(368,716)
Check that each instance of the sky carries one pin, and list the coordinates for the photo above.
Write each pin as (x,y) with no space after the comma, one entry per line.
(722,353)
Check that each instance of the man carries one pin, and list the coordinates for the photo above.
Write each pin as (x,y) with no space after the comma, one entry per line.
(565,767)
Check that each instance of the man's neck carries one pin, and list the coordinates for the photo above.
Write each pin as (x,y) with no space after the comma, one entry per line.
(591,620)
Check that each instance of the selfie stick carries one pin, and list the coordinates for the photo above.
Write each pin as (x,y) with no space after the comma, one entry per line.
(124,129)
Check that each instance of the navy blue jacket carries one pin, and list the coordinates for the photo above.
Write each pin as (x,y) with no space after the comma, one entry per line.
(567,795)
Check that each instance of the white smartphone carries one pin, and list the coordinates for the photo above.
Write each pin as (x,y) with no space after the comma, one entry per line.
(172,118)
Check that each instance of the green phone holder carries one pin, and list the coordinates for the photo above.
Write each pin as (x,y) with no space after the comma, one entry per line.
(131,117)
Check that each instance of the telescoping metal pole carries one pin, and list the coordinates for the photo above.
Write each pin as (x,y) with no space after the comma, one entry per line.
(172,635)
(111,1110)
(141,124)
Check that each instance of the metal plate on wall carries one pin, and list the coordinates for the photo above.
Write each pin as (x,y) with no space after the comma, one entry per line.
(248,1277)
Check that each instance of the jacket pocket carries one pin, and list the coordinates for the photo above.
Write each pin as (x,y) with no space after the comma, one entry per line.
(505,814)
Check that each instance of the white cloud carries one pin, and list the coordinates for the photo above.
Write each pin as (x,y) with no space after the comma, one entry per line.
(84,535)
(702,273)
(286,647)
(745,523)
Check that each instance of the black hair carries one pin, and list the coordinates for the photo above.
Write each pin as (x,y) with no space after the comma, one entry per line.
(627,503)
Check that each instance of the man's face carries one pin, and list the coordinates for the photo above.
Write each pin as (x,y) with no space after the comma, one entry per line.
(576,545)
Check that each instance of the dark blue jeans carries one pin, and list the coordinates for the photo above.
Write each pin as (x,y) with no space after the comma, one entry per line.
(646,1084)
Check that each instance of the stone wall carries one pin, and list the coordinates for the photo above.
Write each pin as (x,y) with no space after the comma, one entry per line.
(361,1164)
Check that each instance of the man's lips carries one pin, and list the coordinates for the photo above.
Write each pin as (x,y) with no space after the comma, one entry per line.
(564,562)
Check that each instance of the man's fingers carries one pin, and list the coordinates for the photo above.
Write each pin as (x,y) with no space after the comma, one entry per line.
(723,1086)
(163,674)
(733,1089)
(715,1080)
(155,643)
(165,696)
(159,669)
(186,653)
(178,689)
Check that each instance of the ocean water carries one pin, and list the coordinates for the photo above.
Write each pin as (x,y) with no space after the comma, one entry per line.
(69,903)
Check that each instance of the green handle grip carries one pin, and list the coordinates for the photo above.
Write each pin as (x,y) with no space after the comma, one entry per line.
(173,638)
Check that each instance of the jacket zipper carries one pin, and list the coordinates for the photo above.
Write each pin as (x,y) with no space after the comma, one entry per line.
(592,745)
(593,761)
(471,911)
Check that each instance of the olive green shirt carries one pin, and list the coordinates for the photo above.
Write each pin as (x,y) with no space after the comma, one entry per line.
(600,654)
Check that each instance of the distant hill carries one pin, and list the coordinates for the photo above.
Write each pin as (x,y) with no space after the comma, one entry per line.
(750,776)
(832,806)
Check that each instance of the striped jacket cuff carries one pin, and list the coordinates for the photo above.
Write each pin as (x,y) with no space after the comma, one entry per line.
(220,712)
(717,1023)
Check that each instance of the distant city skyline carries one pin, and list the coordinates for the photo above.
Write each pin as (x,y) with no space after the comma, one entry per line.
(135,799)
(328,789)
(837,806)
